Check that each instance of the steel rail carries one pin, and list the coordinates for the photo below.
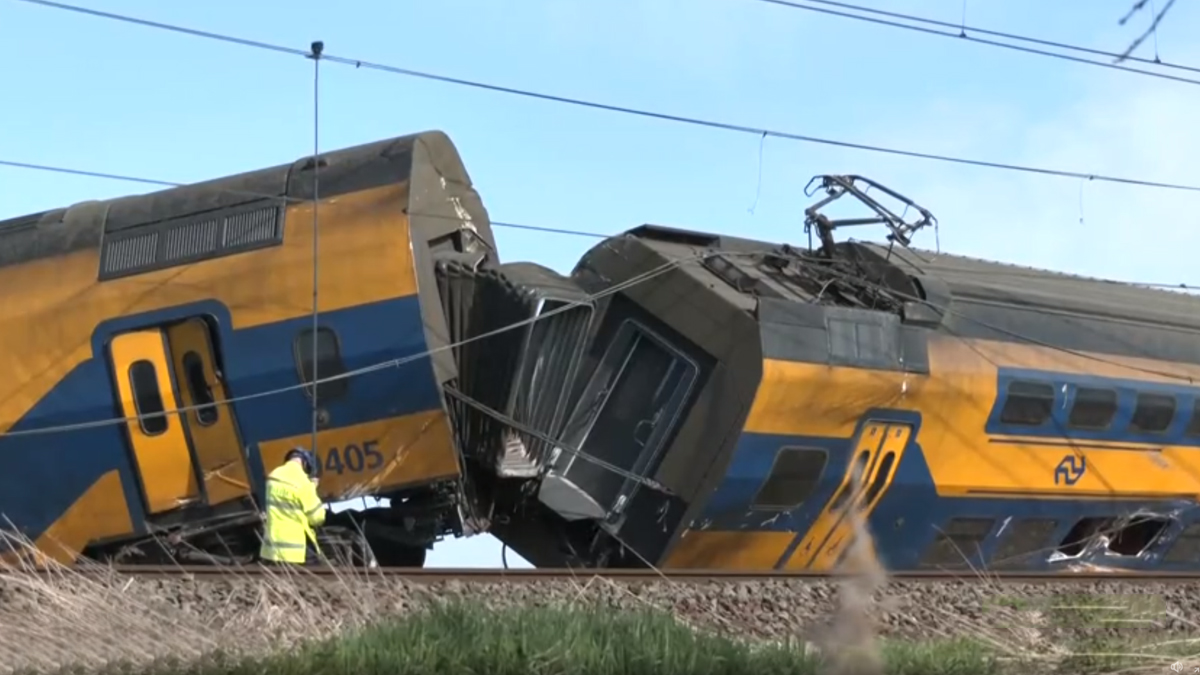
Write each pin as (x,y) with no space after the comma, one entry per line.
(485,575)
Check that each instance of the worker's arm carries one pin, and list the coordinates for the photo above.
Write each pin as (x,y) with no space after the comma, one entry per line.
(314,508)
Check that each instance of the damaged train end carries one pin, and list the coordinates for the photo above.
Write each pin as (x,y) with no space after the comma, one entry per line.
(593,429)
(709,402)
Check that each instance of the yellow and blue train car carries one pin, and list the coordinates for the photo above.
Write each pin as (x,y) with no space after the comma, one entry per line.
(681,399)
(756,406)
(158,308)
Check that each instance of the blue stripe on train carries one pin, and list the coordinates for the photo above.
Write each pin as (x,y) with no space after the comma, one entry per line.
(41,475)
(910,515)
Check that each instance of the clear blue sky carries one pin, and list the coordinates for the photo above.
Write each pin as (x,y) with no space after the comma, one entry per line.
(97,95)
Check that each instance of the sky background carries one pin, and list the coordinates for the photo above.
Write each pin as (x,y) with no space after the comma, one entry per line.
(97,95)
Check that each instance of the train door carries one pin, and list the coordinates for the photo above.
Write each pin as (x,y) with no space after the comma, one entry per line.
(878,449)
(142,374)
(636,393)
(212,429)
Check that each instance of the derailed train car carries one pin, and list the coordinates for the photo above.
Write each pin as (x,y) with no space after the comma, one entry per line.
(680,400)
(745,404)
(129,323)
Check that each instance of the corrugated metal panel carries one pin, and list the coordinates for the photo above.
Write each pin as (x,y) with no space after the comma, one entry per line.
(130,253)
(191,239)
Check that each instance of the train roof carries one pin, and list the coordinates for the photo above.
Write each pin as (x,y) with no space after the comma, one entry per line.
(64,230)
(994,281)
(966,278)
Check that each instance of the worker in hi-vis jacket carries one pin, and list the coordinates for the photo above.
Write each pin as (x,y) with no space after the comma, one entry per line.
(293,509)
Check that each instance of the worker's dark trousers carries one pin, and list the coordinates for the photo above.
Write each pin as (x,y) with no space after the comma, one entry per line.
(279,563)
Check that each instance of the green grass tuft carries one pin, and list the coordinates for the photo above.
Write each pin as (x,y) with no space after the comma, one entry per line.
(461,639)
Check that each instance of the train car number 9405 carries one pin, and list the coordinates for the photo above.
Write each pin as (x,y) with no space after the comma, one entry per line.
(352,458)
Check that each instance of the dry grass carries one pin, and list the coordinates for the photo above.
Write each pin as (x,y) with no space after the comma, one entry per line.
(1029,635)
(92,618)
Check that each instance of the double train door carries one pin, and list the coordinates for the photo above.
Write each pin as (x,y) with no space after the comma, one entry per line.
(182,459)
(877,451)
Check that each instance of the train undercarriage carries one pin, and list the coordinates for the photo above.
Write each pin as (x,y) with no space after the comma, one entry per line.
(398,534)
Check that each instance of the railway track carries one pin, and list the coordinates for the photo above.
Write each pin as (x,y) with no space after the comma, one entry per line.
(486,575)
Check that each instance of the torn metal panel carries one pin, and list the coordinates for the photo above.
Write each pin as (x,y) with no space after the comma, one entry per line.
(1110,541)
(524,374)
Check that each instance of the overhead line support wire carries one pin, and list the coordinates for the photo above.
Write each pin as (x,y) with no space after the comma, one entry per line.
(680,119)
(961,33)
(318,48)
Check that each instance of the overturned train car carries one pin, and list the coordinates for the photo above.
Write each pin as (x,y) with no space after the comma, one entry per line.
(739,404)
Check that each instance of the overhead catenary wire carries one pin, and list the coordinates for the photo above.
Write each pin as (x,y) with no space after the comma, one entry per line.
(607,107)
(1152,30)
(962,32)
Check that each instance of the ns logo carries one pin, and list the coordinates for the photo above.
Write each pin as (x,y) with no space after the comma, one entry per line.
(1070,470)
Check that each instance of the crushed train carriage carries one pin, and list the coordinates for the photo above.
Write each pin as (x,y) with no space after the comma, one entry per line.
(681,399)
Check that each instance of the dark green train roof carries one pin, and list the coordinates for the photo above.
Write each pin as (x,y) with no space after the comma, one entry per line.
(1031,287)
(967,297)
(79,226)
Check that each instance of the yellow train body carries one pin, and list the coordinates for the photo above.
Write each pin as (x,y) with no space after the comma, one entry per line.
(942,419)
(924,410)
(681,399)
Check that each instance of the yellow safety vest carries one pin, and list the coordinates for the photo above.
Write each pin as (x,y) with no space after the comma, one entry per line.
(293,509)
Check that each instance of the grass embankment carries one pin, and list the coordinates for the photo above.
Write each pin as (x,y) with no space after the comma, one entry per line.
(462,639)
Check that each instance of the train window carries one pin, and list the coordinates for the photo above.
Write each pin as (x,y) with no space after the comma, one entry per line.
(197,384)
(881,476)
(1023,543)
(958,544)
(792,480)
(633,403)
(329,362)
(147,398)
(860,473)
(1084,533)
(1193,428)
(642,404)
(1093,408)
(1027,403)
(1153,413)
